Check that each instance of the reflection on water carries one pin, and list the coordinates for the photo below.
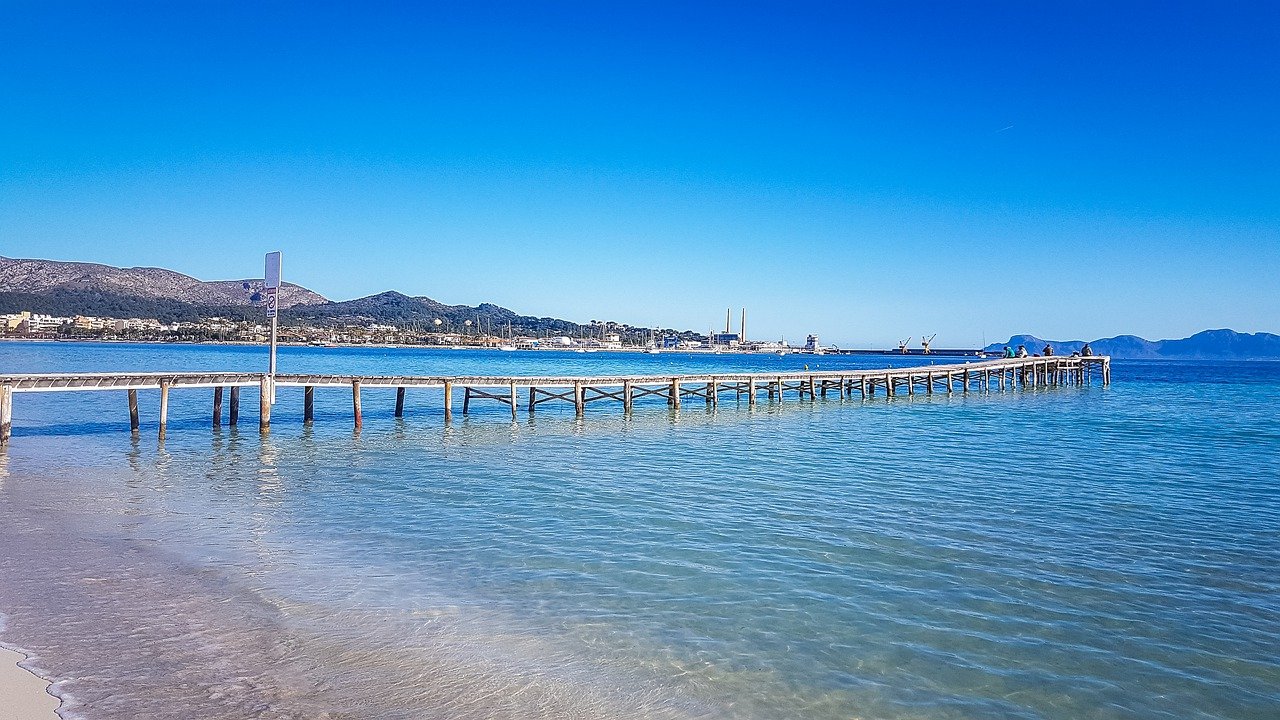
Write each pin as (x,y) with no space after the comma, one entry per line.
(1053,554)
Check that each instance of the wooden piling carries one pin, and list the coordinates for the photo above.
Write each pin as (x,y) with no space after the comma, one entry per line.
(217,406)
(400,402)
(357,415)
(579,402)
(233,408)
(751,392)
(264,404)
(164,407)
(448,401)
(513,400)
(6,413)
(466,400)
(862,381)
(308,403)
(133,411)
(675,393)
(626,396)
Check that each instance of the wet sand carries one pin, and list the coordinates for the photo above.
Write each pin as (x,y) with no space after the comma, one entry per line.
(23,695)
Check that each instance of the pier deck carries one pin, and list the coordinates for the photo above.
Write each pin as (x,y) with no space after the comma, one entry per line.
(1001,374)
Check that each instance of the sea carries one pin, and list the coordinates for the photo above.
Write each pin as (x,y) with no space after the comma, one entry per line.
(1067,552)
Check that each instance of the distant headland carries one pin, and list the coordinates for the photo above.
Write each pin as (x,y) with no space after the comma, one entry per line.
(1210,344)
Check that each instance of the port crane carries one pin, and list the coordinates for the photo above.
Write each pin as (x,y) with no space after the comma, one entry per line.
(924,342)
(902,346)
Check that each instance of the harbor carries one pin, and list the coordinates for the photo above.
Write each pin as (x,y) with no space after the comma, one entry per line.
(529,392)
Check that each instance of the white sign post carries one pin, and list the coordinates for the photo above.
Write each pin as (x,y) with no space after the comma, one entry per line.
(271,279)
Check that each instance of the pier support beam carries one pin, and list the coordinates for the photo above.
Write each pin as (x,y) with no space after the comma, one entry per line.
(626,396)
(217,406)
(264,404)
(6,413)
(400,402)
(751,392)
(513,400)
(133,411)
(357,415)
(308,403)
(579,403)
(675,393)
(164,407)
(448,401)
(233,409)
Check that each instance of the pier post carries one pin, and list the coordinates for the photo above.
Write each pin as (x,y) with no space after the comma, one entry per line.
(513,400)
(929,388)
(779,389)
(626,396)
(579,403)
(358,416)
(217,406)
(751,392)
(233,409)
(911,384)
(964,382)
(466,399)
(533,398)
(6,413)
(889,389)
(133,411)
(675,393)
(264,403)
(400,402)
(308,403)
(711,393)
(862,381)
(164,407)
(448,401)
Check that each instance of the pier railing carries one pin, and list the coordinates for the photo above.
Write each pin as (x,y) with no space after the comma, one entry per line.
(1002,374)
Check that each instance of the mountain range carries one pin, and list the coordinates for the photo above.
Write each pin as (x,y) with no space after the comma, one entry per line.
(72,288)
(1206,345)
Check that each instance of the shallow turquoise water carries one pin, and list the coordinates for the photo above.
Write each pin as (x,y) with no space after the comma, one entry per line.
(1050,554)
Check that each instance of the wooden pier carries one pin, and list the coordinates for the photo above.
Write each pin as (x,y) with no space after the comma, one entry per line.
(985,376)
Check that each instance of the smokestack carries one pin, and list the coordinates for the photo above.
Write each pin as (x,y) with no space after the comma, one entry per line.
(742,328)
(726,320)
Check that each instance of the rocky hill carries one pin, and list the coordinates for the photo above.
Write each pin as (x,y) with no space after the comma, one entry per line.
(53,278)
(70,288)
(1209,344)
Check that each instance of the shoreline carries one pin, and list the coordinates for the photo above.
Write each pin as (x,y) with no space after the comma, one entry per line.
(24,694)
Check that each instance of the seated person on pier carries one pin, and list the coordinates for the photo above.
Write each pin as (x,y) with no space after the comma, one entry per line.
(1008,351)
(1086,351)
(1048,350)
(1022,351)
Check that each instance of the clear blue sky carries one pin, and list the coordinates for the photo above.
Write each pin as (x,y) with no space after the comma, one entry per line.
(864,171)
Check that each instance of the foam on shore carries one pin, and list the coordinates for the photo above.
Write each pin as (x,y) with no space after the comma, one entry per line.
(24,695)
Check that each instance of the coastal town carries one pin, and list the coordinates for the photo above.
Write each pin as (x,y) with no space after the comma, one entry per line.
(599,335)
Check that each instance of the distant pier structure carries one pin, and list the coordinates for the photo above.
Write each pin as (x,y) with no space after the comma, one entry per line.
(1003,375)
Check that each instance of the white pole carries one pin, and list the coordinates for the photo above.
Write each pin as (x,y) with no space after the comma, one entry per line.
(271,279)
(271,364)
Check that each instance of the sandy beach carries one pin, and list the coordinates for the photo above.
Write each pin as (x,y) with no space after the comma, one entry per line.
(23,695)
